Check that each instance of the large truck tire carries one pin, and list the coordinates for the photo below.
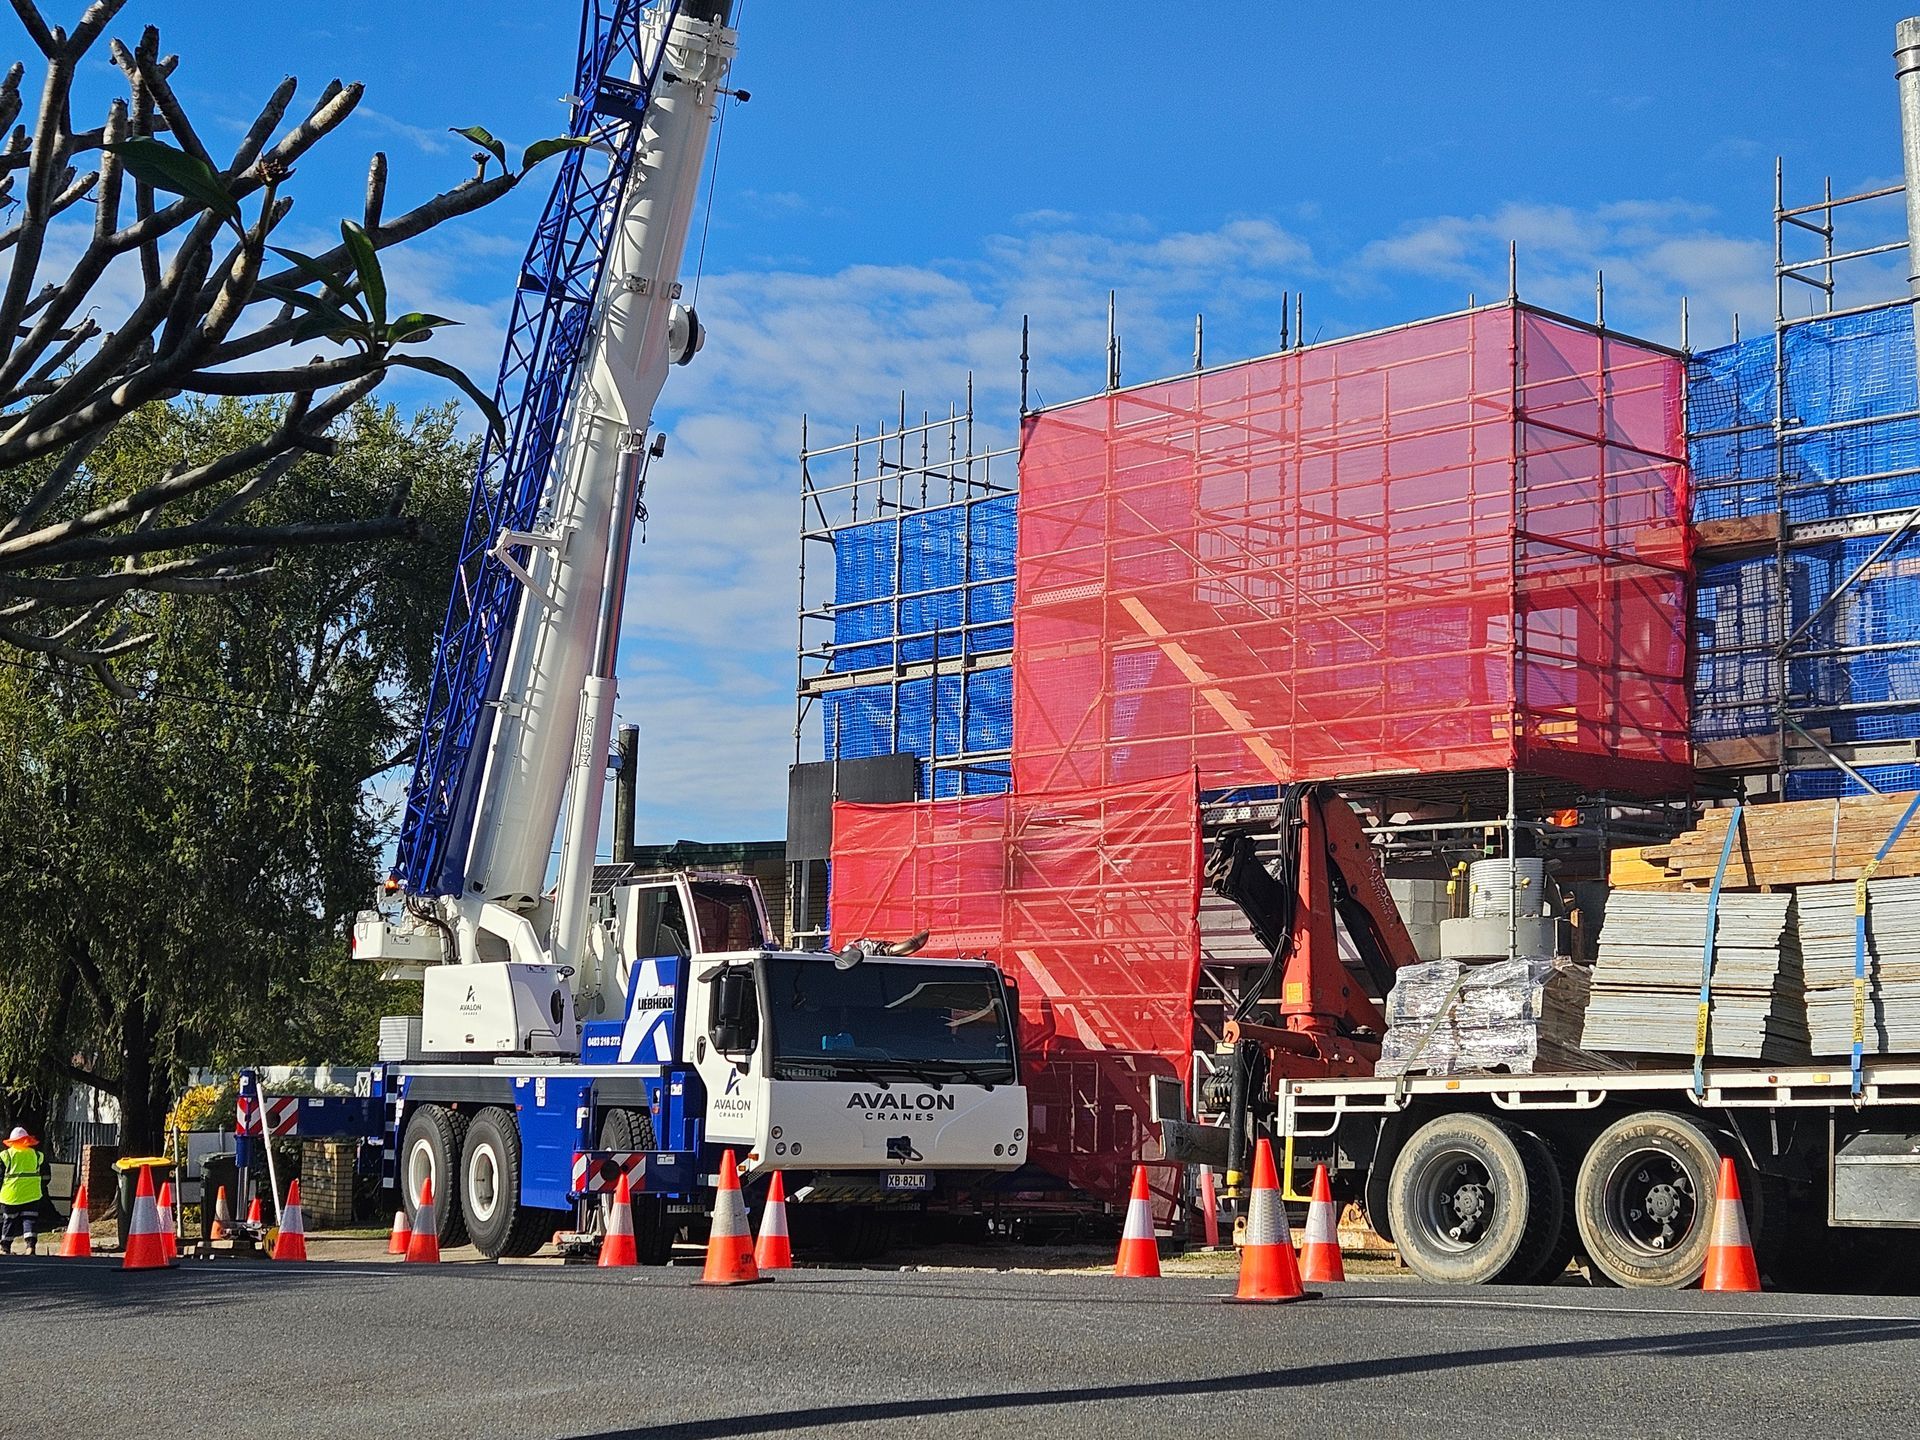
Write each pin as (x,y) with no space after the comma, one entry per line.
(490,1175)
(1644,1199)
(856,1234)
(430,1149)
(653,1229)
(1475,1201)
(1566,1164)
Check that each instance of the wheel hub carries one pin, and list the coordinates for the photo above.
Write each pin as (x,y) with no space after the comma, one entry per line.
(1655,1202)
(1470,1208)
(1460,1200)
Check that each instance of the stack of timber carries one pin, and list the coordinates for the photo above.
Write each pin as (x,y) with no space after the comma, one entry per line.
(1798,842)
(1646,979)
(1521,1016)
(1828,930)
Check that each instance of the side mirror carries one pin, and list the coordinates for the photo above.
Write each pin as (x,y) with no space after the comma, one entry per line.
(734,1011)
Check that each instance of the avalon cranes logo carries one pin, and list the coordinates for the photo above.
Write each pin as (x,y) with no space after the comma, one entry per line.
(896,1105)
(731,1099)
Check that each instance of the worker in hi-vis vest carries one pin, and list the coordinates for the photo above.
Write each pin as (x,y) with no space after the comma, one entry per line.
(22,1183)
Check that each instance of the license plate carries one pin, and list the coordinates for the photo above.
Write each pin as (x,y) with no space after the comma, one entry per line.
(906,1180)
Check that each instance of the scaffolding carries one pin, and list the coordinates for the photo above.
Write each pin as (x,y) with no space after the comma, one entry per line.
(1805,448)
(906,599)
(1451,548)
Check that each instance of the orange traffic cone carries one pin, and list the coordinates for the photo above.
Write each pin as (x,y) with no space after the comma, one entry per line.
(253,1213)
(78,1244)
(1268,1273)
(222,1227)
(292,1244)
(167,1236)
(1730,1262)
(402,1233)
(617,1248)
(729,1238)
(775,1250)
(1320,1248)
(1139,1251)
(423,1246)
(145,1249)
(1209,1209)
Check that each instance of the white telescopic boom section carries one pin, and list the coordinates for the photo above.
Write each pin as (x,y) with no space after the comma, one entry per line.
(553,715)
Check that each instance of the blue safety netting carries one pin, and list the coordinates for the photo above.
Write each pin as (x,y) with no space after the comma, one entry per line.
(936,577)
(1826,784)
(1730,430)
(973,715)
(1847,445)
(905,586)
(1848,375)
(1736,621)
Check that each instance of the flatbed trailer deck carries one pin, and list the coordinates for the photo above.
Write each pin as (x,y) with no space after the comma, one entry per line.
(1498,1177)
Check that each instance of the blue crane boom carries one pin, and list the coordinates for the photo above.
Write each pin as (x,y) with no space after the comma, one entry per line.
(552,312)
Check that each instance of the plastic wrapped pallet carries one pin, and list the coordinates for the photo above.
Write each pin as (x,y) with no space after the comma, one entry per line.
(1446,1018)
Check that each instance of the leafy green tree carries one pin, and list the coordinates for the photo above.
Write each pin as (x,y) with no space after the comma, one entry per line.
(178,854)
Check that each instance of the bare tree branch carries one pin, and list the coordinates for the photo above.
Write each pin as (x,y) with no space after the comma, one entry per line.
(210,319)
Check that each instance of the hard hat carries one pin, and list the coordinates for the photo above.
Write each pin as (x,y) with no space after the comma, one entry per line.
(19,1136)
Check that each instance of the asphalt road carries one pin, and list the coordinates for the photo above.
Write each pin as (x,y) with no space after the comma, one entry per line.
(329,1350)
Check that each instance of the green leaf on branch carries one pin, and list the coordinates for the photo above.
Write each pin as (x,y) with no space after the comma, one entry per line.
(546,149)
(289,295)
(156,163)
(484,138)
(329,325)
(415,326)
(366,264)
(456,376)
(314,271)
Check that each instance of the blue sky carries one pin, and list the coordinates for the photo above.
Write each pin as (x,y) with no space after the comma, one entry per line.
(910,178)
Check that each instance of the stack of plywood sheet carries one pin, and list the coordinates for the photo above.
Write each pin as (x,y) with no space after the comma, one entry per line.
(1827,941)
(1646,979)
(1799,842)
(1522,1016)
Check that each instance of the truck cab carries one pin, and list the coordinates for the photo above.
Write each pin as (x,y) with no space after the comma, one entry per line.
(866,1071)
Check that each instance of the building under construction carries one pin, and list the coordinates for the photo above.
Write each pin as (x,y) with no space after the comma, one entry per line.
(1517,583)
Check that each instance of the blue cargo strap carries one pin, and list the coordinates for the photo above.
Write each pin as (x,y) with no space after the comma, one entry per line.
(1860,947)
(1706,958)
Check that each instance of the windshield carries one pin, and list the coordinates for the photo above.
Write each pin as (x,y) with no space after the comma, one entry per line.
(919,1021)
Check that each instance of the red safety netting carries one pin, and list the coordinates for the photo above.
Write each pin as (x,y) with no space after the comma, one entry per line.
(1090,901)
(1459,545)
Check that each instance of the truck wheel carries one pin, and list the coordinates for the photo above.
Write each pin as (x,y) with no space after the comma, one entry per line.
(430,1150)
(653,1230)
(1474,1201)
(490,1175)
(1565,1167)
(1644,1199)
(856,1235)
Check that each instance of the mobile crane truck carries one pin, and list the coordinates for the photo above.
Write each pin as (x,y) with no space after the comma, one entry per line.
(622,1026)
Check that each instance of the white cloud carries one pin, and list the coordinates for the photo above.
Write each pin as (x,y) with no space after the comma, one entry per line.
(1651,253)
(433,140)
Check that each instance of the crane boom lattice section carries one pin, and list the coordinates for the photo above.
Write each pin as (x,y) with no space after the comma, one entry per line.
(552,313)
